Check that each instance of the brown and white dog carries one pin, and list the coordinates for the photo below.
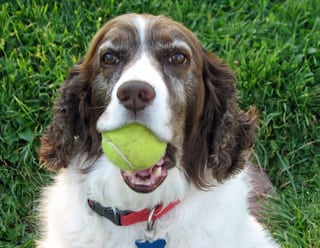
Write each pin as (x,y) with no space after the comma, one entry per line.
(151,70)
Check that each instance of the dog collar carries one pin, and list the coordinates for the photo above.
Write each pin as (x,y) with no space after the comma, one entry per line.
(127,218)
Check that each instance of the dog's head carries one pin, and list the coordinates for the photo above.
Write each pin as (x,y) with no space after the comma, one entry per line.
(152,70)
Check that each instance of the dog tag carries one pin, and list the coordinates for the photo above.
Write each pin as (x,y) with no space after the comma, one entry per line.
(159,243)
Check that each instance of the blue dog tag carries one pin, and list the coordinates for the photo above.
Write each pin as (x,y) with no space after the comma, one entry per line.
(159,243)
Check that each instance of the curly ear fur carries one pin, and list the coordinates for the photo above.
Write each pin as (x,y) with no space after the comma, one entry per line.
(74,115)
(223,133)
(71,124)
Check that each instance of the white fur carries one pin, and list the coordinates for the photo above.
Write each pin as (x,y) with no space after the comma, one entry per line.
(141,25)
(215,218)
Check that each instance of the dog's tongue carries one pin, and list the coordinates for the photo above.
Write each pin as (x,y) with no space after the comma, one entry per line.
(144,173)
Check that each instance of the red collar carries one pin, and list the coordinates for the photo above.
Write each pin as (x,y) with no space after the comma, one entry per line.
(127,218)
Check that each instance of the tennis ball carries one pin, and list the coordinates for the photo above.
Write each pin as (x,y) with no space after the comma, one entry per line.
(132,147)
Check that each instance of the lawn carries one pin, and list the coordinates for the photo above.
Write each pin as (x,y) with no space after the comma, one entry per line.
(273,46)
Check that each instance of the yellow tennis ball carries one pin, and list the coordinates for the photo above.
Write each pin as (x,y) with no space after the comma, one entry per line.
(132,147)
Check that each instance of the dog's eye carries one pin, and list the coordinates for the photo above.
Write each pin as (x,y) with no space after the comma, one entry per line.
(110,59)
(178,59)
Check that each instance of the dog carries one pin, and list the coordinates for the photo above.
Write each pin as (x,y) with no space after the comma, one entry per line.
(153,71)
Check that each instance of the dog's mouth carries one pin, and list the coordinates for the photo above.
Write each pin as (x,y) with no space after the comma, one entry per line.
(145,181)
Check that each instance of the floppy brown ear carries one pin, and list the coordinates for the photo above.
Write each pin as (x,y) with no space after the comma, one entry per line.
(70,126)
(222,134)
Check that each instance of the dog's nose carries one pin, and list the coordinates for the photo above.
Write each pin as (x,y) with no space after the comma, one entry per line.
(136,95)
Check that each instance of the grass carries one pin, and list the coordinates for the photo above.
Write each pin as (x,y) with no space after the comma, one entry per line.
(273,46)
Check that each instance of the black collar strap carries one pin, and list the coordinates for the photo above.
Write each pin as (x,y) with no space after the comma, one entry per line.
(109,213)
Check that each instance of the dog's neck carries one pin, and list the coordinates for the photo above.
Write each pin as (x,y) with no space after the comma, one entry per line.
(127,217)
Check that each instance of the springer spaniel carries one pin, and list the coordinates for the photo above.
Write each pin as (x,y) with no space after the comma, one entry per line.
(153,71)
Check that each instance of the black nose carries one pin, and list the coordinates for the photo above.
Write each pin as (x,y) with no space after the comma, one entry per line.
(135,95)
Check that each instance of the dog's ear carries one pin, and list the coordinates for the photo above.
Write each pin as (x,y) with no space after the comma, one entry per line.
(218,140)
(72,129)
(70,125)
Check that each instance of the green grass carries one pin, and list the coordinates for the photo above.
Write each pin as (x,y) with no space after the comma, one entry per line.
(273,46)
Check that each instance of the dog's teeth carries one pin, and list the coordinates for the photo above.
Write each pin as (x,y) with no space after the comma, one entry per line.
(157,171)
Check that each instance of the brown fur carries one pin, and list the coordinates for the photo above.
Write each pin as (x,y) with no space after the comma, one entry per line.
(72,127)
(218,141)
